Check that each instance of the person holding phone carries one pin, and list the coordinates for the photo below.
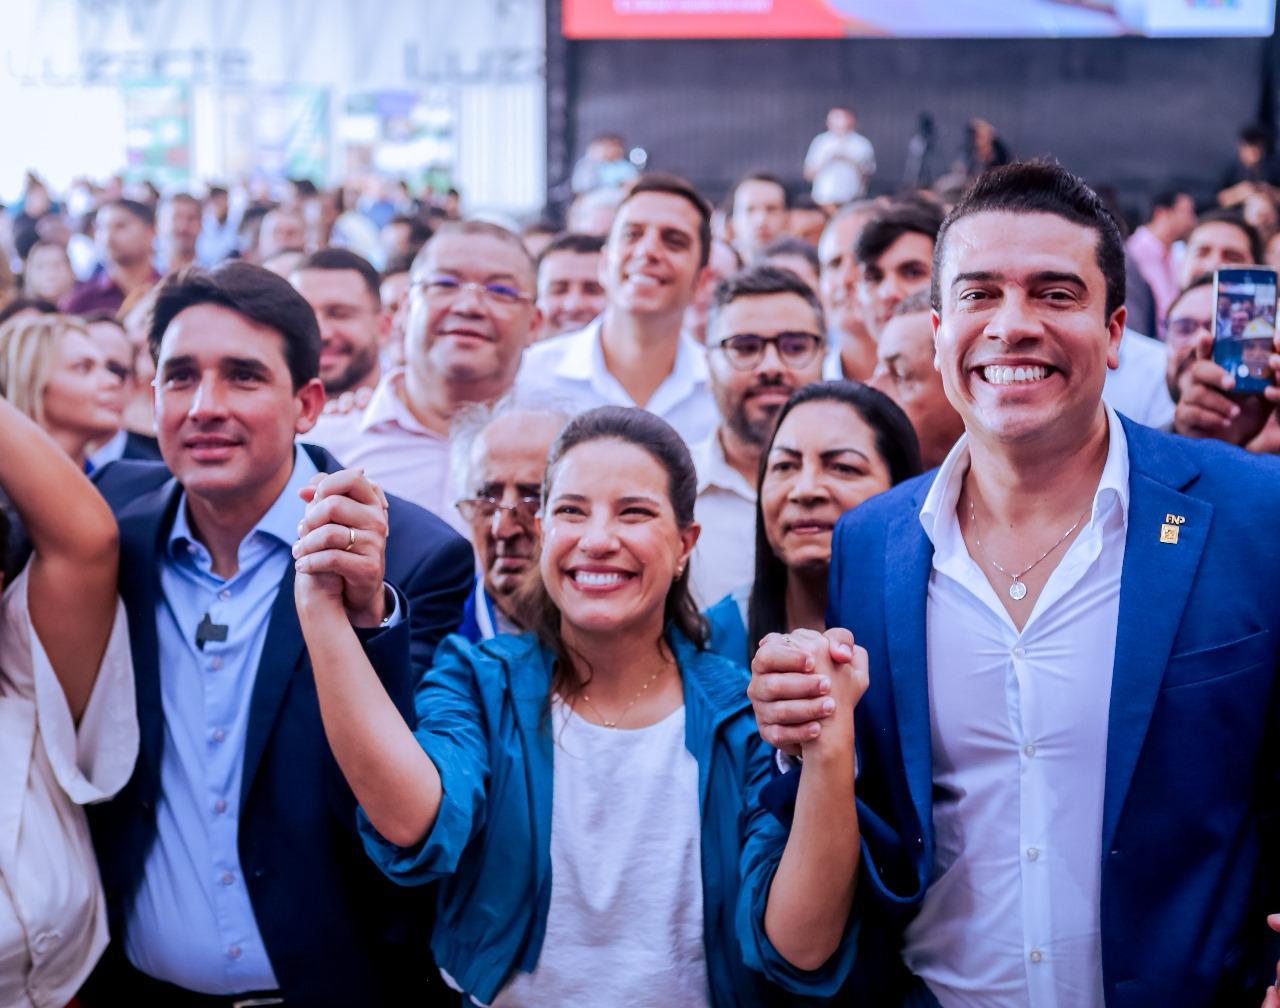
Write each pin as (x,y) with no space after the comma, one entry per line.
(577,790)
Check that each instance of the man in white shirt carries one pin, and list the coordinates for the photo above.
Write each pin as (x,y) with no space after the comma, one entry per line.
(840,161)
(635,354)
(765,340)
(471,314)
(1065,754)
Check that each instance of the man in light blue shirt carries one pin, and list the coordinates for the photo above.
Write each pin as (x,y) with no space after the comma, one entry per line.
(231,860)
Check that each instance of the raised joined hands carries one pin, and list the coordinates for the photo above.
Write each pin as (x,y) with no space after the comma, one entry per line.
(340,555)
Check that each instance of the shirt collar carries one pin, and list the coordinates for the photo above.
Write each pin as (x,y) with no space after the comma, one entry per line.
(714,470)
(583,356)
(387,407)
(280,521)
(1113,486)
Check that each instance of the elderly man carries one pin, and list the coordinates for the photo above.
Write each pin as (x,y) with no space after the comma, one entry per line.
(765,340)
(499,455)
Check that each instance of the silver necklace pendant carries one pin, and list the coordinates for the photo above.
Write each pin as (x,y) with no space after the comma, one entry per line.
(1017,590)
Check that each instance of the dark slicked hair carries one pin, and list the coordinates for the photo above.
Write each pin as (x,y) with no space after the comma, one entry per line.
(1236,220)
(674,185)
(251,291)
(143,212)
(1040,187)
(343,259)
(757,281)
(890,224)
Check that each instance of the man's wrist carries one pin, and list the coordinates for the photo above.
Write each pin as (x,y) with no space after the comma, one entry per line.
(380,611)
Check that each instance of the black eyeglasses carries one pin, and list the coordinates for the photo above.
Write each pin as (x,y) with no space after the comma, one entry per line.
(443,287)
(524,510)
(747,350)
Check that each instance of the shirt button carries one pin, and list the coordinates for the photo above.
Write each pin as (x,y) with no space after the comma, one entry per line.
(215,664)
(1033,853)
(224,595)
(220,806)
(233,952)
(219,735)
(1019,652)
(192,548)
(1036,955)
(226,878)
(45,941)
(1028,750)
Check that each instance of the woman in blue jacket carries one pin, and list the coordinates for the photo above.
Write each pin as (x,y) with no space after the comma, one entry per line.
(579,791)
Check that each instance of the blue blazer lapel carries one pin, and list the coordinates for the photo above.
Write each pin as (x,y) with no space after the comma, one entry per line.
(908,561)
(1155,582)
(282,653)
(143,524)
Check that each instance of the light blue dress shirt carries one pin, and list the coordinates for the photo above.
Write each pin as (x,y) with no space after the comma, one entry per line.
(192,923)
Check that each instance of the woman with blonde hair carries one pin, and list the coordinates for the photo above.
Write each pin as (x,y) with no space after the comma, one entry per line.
(52,371)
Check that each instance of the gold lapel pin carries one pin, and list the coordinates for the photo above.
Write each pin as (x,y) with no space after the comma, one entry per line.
(1169,530)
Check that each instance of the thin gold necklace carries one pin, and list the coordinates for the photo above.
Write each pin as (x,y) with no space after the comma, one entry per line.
(640,692)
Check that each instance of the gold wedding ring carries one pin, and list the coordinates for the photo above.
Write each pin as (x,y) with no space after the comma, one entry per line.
(351,541)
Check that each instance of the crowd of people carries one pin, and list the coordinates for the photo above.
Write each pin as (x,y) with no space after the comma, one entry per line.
(802,601)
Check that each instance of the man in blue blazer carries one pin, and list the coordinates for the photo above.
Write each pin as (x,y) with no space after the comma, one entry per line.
(231,860)
(1066,746)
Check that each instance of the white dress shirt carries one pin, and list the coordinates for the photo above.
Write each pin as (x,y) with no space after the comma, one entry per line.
(725,556)
(53,921)
(1137,388)
(395,449)
(571,369)
(1019,736)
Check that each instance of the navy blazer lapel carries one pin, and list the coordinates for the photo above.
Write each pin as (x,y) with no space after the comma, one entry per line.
(143,525)
(908,562)
(281,654)
(1154,586)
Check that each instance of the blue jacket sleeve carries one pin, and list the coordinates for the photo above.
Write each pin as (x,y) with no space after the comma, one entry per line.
(764,841)
(452,730)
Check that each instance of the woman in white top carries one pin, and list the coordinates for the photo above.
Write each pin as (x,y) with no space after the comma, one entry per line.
(579,790)
(68,730)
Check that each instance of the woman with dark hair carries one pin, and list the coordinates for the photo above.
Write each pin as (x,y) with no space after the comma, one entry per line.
(835,444)
(577,790)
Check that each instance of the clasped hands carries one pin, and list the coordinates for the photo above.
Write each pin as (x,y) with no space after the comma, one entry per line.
(804,687)
(340,555)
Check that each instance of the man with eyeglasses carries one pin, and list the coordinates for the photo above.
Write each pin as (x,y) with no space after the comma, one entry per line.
(471,313)
(500,453)
(764,340)
(635,353)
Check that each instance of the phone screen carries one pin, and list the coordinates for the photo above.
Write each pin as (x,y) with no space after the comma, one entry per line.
(1244,324)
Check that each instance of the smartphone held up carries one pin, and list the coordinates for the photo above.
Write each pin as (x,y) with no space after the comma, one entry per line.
(1244,325)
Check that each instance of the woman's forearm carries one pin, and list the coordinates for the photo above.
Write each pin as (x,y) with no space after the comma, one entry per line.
(812,892)
(394,781)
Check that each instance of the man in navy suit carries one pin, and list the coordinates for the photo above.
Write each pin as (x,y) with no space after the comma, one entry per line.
(1066,745)
(231,861)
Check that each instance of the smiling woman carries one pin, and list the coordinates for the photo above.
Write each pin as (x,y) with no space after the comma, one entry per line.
(577,790)
(835,444)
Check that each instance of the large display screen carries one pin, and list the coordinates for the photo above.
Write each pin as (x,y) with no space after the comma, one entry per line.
(604,19)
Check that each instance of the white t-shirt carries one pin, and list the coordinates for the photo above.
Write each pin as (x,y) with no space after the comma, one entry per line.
(843,163)
(625,924)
